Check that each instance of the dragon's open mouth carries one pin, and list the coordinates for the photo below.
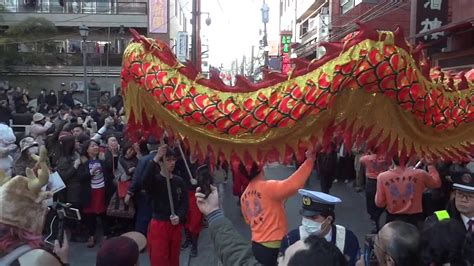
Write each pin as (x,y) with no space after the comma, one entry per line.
(373,88)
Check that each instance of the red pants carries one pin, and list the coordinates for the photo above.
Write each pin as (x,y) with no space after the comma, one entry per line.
(164,243)
(194,216)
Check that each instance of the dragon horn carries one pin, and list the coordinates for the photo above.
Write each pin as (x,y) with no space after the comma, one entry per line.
(37,182)
(3,178)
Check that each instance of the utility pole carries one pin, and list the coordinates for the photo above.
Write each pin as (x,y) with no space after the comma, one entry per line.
(265,18)
(196,38)
(251,63)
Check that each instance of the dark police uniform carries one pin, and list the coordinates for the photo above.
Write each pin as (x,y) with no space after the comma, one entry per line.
(463,180)
(315,203)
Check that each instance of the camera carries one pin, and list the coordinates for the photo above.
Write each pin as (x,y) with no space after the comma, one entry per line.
(369,252)
(56,221)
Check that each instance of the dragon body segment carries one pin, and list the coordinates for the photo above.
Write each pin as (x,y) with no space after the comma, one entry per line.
(372,88)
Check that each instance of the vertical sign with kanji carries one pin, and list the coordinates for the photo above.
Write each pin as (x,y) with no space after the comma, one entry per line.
(431,14)
(285,48)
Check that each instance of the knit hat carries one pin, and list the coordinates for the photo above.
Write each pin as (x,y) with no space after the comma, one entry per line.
(38,117)
(118,251)
(22,199)
(39,257)
(27,143)
(138,237)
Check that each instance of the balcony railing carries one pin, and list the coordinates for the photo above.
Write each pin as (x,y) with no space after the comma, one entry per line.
(75,7)
(64,59)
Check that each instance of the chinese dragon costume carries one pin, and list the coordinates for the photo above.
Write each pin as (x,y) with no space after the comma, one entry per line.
(373,87)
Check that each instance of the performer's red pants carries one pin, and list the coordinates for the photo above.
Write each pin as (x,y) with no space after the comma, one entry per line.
(164,243)
(194,216)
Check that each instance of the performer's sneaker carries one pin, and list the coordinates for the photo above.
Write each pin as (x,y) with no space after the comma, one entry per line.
(194,251)
(186,244)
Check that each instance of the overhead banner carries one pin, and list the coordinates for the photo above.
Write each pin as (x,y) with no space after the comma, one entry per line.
(158,16)
(182,46)
(430,15)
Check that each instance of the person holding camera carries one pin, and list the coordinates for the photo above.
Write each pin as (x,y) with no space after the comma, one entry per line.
(233,249)
(318,219)
(396,244)
(170,205)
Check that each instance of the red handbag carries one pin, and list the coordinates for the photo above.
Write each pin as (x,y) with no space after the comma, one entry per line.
(122,188)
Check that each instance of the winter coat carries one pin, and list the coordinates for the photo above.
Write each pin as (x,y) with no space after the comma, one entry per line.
(51,100)
(21,163)
(38,132)
(65,168)
(228,243)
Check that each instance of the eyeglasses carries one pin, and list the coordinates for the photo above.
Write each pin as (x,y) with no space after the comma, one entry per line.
(466,195)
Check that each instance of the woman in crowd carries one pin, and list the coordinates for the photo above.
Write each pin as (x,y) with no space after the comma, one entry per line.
(67,166)
(96,189)
(68,163)
(28,147)
(126,167)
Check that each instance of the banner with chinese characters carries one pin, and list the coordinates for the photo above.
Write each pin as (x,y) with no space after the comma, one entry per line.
(158,16)
(285,46)
(430,15)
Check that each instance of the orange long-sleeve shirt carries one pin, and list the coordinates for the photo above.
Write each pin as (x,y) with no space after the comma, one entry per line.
(400,190)
(262,203)
(373,165)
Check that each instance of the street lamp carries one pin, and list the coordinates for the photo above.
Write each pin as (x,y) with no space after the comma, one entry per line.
(84,31)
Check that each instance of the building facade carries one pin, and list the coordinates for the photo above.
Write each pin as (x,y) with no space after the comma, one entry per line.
(447,29)
(108,21)
(316,21)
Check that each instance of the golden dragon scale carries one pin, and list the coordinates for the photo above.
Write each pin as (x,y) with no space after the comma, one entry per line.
(372,88)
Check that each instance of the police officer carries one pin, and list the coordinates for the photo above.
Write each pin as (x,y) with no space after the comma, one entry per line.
(461,208)
(318,218)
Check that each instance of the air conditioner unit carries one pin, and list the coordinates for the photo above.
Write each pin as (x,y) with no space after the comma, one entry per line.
(312,23)
(76,85)
(324,11)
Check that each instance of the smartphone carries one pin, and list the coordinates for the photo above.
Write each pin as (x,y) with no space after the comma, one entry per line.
(369,254)
(204,182)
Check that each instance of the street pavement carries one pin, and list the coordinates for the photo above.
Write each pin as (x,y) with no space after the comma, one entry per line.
(350,213)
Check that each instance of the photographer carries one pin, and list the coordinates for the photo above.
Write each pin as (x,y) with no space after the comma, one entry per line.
(396,244)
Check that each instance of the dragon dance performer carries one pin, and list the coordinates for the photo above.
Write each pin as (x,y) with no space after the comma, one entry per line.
(374,165)
(193,224)
(170,205)
(400,191)
(263,207)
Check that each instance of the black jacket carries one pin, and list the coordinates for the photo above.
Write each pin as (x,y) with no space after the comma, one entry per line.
(155,185)
(85,178)
(52,100)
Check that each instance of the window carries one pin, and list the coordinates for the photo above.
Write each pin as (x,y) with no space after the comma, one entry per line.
(346,5)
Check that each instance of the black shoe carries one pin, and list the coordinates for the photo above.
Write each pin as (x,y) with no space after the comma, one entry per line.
(194,252)
(186,244)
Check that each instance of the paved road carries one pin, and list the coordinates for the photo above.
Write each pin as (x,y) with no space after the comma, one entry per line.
(351,213)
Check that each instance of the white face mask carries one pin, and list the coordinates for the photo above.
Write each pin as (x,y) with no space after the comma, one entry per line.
(33,150)
(310,226)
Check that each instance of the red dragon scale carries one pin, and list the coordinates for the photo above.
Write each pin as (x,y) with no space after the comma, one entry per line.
(369,89)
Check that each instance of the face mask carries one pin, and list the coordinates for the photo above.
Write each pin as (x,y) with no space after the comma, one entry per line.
(33,150)
(310,226)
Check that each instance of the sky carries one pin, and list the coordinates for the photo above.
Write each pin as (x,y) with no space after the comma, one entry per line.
(235,28)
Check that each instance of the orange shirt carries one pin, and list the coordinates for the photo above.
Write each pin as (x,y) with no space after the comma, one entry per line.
(373,165)
(263,207)
(400,190)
